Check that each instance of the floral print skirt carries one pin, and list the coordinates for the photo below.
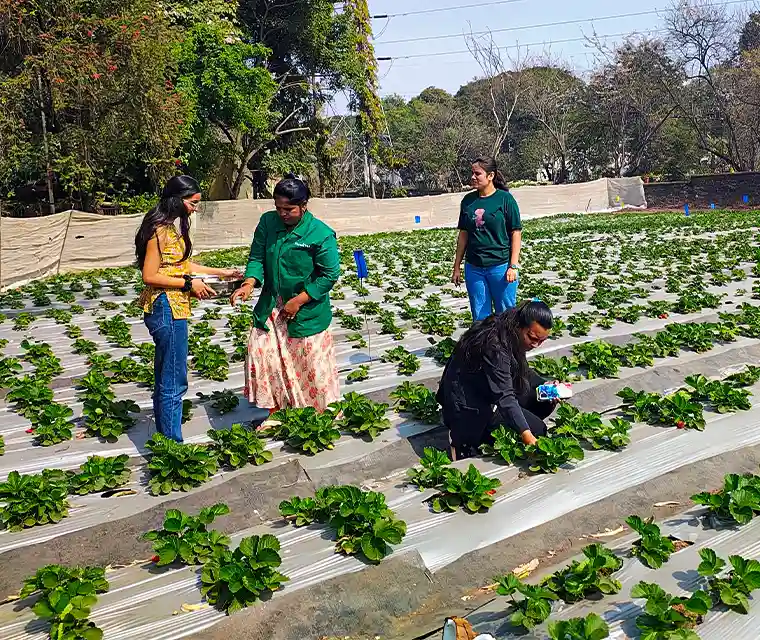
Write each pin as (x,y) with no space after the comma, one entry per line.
(285,372)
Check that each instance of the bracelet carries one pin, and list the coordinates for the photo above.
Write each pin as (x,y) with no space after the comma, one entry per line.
(186,288)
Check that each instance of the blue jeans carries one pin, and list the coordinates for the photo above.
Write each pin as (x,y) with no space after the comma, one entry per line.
(170,336)
(488,289)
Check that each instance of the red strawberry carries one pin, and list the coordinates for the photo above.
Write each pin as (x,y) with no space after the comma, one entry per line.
(681,424)
(155,559)
(663,316)
(30,430)
(491,492)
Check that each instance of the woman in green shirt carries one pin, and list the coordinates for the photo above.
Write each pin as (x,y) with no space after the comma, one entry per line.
(490,235)
(294,257)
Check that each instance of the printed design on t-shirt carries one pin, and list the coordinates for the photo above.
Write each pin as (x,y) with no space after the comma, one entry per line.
(479,222)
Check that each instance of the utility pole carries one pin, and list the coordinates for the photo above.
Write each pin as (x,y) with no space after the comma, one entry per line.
(46,148)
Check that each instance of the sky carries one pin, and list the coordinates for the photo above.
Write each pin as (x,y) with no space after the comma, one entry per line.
(408,77)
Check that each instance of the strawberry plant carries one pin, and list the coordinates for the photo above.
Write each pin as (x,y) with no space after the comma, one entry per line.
(116,330)
(23,321)
(734,588)
(31,500)
(349,322)
(9,369)
(442,351)
(176,466)
(305,429)
(407,363)
(357,341)
(233,580)
(238,447)
(580,324)
(52,425)
(746,378)
(434,464)
(2,446)
(100,474)
(653,549)
(185,539)
(362,520)
(187,411)
(358,375)
(598,358)
(84,347)
(471,491)
(361,416)
(533,608)
(222,402)
(210,361)
(506,445)
(562,369)
(73,331)
(549,454)
(667,617)
(590,428)
(129,370)
(587,578)
(29,395)
(738,501)
(592,627)
(418,401)
(66,597)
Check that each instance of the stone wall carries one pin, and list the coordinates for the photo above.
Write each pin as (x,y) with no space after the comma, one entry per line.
(725,190)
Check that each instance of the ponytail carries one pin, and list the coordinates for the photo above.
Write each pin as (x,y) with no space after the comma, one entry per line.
(488,164)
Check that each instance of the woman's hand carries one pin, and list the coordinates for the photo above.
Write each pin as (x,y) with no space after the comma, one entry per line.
(511,275)
(291,308)
(230,273)
(242,294)
(456,276)
(528,438)
(201,290)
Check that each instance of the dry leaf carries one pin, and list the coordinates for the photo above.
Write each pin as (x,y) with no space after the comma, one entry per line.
(524,570)
(669,503)
(607,533)
(466,598)
(187,608)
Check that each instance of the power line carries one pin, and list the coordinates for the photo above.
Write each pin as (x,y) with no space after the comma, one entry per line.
(514,46)
(559,23)
(384,16)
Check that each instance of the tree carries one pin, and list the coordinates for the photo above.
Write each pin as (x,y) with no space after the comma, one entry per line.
(86,91)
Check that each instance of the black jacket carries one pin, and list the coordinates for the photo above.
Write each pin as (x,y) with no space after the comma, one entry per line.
(470,400)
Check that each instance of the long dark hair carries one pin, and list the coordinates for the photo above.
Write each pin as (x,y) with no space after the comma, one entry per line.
(488,164)
(501,333)
(294,190)
(170,207)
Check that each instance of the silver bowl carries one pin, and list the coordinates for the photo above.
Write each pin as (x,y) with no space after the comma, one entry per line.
(222,287)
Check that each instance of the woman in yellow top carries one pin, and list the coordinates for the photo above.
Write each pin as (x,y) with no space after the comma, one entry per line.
(163,246)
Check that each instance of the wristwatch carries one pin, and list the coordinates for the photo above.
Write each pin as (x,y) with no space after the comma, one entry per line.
(516,267)
(188,284)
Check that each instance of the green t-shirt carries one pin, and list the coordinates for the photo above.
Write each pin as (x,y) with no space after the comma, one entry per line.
(489,223)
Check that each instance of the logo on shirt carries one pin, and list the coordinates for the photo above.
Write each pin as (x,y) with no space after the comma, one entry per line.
(479,222)
(302,245)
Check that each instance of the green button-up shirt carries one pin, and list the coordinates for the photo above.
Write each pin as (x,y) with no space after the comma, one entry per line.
(289,261)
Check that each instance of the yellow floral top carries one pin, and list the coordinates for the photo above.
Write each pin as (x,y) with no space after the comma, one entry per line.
(173,265)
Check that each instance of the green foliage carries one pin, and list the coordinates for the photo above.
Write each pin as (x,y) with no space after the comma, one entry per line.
(66,597)
(52,424)
(361,416)
(442,351)
(549,454)
(175,466)
(653,549)
(407,363)
(590,428)
(185,539)
(562,369)
(667,617)
(738,501)
(100,474)
(84,347)
(105,417)
(734,588)
(592,627)
(9,369)
(32,500)
(210,361)
(418,401)
(434,464)
(533,608)
(362,520)
(506,445)
(587,578)
(472,491)
(233,580)
(222,402)
(239,446)
(29,395)
(358,375)
(305,429)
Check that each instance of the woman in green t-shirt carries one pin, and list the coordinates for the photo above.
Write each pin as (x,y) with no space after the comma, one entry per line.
(490,234)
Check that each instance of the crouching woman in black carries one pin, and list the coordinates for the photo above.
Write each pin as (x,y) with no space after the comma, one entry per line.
(488,383)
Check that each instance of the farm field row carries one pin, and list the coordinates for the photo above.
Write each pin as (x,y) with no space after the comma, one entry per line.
(643,301)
